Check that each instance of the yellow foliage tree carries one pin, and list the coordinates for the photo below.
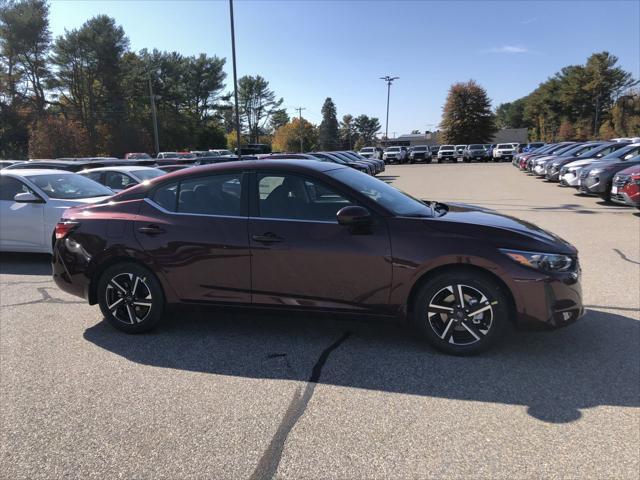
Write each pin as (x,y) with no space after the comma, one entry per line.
(287,137)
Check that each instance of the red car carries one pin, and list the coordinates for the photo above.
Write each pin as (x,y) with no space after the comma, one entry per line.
(306,235)
(625,188)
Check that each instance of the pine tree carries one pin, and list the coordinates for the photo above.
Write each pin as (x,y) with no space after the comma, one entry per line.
(328,134)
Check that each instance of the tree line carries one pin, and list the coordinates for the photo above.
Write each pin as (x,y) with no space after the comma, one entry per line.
(596,100)
(86,93)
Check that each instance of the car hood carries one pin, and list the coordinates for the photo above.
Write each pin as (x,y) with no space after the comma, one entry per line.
(614,164)
(500,229)
(581,163)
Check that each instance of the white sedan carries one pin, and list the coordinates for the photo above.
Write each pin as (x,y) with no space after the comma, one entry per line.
(119,178)
(32,202)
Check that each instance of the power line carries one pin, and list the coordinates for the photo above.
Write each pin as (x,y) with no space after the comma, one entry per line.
(389,81)
(299,109)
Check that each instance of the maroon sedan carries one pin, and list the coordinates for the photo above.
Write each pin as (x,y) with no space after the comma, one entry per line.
(314,236)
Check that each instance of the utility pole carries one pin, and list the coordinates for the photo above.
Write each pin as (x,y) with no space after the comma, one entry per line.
(235,77)
(154,115)
(299,109)
(389,81)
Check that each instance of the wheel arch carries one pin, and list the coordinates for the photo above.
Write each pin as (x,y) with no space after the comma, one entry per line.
(109,262)
(453,267)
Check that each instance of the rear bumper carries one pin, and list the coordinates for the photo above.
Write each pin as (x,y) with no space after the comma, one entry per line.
(69,269)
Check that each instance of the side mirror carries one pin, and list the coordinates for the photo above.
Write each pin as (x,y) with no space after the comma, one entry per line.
(27,197)
(354,216)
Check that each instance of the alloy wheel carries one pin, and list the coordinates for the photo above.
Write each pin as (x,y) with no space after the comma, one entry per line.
(128,298)
(460,314)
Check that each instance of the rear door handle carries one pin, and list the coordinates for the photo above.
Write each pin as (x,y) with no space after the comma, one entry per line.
(151,230)
(268,237)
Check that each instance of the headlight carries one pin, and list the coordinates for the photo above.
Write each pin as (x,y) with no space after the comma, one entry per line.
(549,262)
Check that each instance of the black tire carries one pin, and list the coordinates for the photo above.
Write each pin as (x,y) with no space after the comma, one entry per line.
(449,328)
(136,311)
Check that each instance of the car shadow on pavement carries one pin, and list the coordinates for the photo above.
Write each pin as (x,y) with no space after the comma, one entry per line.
(25,263)
(554,374)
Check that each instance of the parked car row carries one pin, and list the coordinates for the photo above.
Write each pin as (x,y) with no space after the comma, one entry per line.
(449,153)
(608,169)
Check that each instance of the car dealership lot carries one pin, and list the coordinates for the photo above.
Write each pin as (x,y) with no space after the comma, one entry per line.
(214,394)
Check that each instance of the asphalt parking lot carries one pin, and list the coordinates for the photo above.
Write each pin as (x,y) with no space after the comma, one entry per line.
(214,394)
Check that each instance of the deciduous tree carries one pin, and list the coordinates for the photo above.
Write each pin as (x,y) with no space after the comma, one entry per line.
(467,116)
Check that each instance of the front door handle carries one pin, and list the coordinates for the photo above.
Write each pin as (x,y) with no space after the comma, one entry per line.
(151,230)
(268,237)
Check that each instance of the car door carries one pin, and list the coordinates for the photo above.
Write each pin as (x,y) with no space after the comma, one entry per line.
(302,257)
(21,224)
(196,232)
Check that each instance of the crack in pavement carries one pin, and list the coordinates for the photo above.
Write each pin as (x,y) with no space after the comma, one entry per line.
(46,298)
(270,460)
(624,257)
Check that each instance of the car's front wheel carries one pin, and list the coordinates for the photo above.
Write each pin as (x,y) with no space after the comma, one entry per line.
(130,297)
(461,312)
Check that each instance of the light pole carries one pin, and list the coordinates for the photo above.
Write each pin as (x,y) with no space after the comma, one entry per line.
(154,115)
(235,77)
(389,81)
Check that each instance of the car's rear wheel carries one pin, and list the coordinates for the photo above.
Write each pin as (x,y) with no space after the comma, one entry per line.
(461,312)
(130,297)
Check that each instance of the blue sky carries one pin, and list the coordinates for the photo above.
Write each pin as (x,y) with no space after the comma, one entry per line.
(309,50)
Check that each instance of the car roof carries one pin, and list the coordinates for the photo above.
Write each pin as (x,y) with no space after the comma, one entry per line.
(120,168)
(295,166)
(28,172)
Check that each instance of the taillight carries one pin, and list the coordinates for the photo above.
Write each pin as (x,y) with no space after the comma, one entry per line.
(64,228)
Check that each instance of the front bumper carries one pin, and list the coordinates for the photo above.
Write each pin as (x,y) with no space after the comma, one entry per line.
(549,301)
(569,179)
(591,185)
(628,194)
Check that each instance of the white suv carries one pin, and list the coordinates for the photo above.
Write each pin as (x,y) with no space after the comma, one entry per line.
(503,151)
(395,154)
(371,152)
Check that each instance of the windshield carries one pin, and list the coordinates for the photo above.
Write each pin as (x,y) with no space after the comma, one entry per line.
(419,149)
(476,147)
(584,150)
(623,152)
(147,174)
(505,145)
(562,149)
(69,186)
(399,203)
(367,149)
(447,147)
(393,149)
